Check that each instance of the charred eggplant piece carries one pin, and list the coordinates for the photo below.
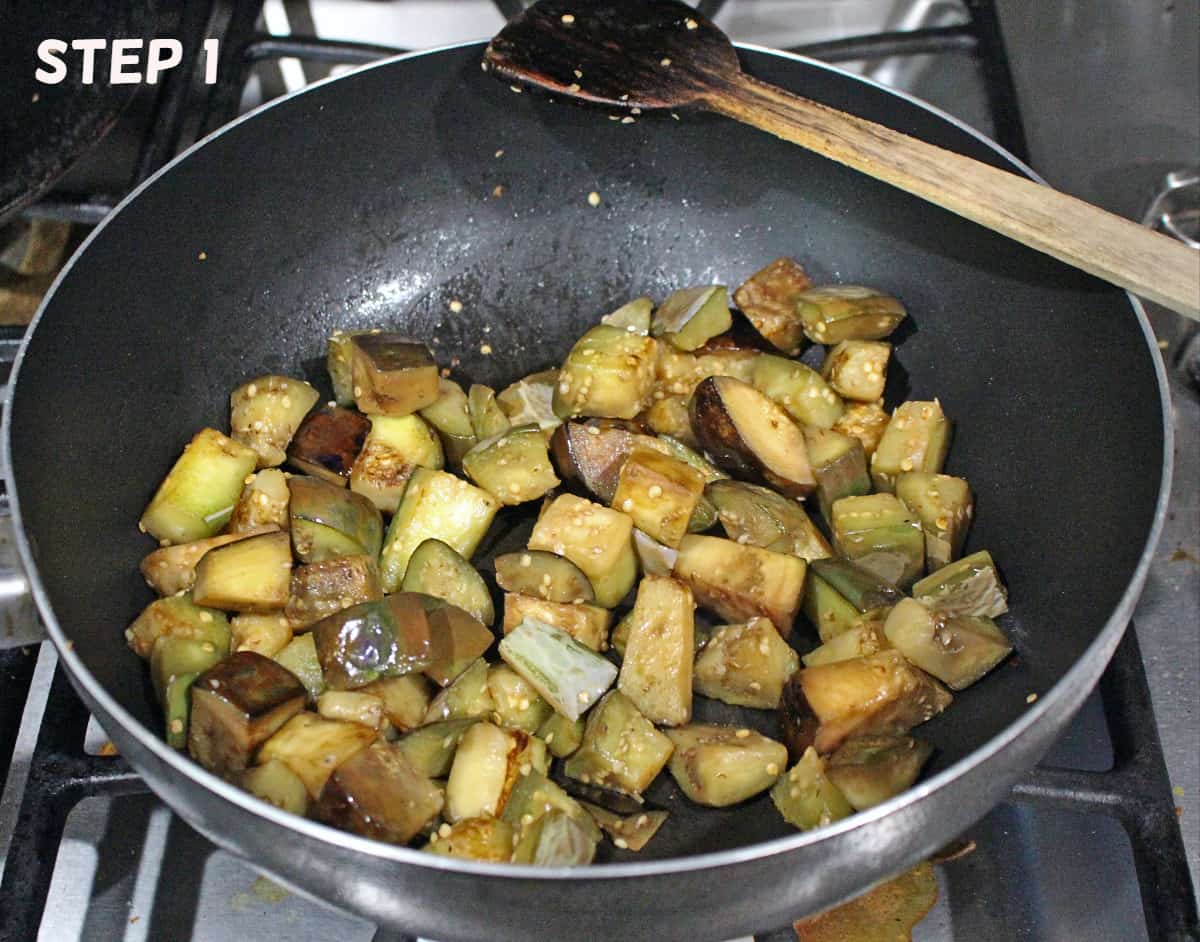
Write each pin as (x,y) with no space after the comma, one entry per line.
(878,695)
(609,372)
(970,586)
(170,570)
(740,582)
(840,466)
(833,313)
(868,770)
(799,389)
(806,797)
(392,449)
(514,466)
(689,317)
(916,439)
(314,748)
(385,638)
(392,374)
(265,413)
(450,414)
(881,535)
(660,493)
(857,369)
(237,704)
(587,624)
(745,665)
(262,504)
(865,421)
(328,442)
(436,569)
(956,649)
(330,585)
(196,498)
(328,521)
(768,298)
(377,793)
(250,575)
(596,539)
(944,506)
(758,516)
(543,575)
(722,765)
(656,666)
(621,749)
(750,436)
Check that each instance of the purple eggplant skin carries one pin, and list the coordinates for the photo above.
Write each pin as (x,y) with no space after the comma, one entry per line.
(327,443)
(714,429)
(384,638)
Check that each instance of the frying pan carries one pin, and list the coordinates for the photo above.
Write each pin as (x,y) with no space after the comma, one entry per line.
(372,200)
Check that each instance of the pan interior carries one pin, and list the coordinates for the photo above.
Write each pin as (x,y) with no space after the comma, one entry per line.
(378,199)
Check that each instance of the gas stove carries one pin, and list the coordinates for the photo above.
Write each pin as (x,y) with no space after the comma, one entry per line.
(1090,845)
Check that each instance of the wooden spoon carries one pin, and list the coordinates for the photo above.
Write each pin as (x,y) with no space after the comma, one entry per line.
(637,55)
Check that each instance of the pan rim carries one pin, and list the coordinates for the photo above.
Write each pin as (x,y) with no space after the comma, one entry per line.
(1068,691)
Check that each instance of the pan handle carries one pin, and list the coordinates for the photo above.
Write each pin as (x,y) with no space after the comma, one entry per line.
(19,623)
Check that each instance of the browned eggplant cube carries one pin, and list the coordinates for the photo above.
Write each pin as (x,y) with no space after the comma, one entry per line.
(768,299)
(659,493)
(237,705)
(327,443)
(392,374)
(328,586)
(250,575)
(377,793)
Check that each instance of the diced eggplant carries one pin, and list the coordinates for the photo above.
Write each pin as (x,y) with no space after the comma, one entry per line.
(840,466)
(768,299)
(857,369)
(570,676)
(806,797)
(237,704)
(436,505)
(868,770)
(970,586)
(632,316)
(450,414)
(882,694)
(678,373)
(745,665)
(459,638)
(879,534)
(956,649)
(740,582)
(741,335)
(554,839)
(300,657)
(865,421)
(392,374)
(654,558)
(758,516)
(864,639)
(722,765)
(592,453)
(916,439)
(250,575)
(436,569)
(621,749)
(609,372)
(543,575)
(689,317)
(561,735)
(799,389)
(833,313)
(516,702)
(322,588)
(596,539)
(263,503)
(483,771)
(656,669)
(514,466)
(405,699)
(352,706)
(530,401)
(486,839)
(394,446)
(196,498)
(660,493)
(487,418)
(668,415)
(377,793)
(175,663)
(944,506)
(265,633)
(587,624)
(328,442)
(629,832)
(860,587)
(314,748)
(265,413)
(337,364)
(276,784)
(750,436)
(430,749)
(467,697)
(385,638)
(170,570)
(826,608)
(329,521)
(177,616)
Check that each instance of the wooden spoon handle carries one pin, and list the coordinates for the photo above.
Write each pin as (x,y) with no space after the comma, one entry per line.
(1147,263)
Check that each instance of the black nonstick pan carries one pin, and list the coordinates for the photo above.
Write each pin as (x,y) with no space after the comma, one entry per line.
(378,198)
